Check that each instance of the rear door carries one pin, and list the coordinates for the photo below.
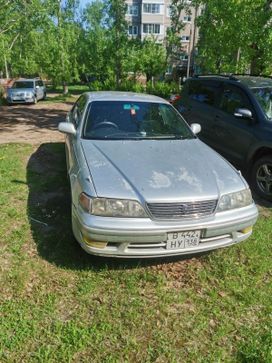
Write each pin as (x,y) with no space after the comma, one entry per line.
(233,136)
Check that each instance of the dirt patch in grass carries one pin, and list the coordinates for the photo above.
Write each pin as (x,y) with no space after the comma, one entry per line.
(32,124)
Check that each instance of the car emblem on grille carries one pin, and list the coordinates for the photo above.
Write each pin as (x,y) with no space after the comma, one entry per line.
(183,207)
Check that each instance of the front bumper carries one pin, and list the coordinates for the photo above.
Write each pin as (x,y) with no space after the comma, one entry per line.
(143,237)
(21,99)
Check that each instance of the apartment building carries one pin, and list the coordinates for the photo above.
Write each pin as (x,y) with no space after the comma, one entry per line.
(152,18)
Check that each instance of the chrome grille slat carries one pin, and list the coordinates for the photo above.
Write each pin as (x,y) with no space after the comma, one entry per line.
(182,210)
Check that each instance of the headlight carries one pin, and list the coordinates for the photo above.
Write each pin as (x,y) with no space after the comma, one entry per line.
(112,207)
(235,200)
(29,94)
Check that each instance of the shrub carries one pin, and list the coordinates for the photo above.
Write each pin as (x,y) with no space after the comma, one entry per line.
(162,89)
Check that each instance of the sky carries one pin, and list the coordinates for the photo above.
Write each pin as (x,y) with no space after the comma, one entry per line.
(84,2)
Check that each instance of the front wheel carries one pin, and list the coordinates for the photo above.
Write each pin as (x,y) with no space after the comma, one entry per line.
(261,177)
(35,100)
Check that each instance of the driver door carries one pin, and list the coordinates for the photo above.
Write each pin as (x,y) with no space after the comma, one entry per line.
(233,136)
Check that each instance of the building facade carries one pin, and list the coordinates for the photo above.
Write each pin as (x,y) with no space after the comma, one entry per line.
(152,18)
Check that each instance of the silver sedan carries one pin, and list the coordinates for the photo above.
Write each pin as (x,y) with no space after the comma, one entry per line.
(142,183)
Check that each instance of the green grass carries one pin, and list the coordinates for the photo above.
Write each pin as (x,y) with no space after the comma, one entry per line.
(59,304)
(73,88)
(60,98)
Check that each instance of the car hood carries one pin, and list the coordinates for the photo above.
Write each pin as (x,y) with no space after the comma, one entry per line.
(159,170)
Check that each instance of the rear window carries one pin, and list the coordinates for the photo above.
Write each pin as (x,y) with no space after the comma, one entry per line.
(204,91)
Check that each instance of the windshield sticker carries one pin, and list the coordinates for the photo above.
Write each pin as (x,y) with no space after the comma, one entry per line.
(128,106)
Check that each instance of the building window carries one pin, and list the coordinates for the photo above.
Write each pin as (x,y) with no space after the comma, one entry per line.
(152,8)
(187,19)
(132,10)
(151,28)
(132,29)
(185,38)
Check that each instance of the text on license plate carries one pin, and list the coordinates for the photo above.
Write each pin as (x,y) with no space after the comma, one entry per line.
(180,240)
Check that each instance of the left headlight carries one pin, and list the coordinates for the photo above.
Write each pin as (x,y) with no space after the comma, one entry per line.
(235,200)
(29,94)
(107,207)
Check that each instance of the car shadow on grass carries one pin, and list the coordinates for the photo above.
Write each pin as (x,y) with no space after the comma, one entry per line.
(49,215)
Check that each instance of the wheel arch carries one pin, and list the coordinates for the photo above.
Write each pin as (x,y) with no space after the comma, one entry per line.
(259,153)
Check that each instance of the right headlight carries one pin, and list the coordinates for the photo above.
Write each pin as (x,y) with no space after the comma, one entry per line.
(110,207)
(29,94)
(235,200)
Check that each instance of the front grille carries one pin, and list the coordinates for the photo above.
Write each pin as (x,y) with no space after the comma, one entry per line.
(182,210)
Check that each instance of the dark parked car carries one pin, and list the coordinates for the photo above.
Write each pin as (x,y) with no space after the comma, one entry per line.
(235,114)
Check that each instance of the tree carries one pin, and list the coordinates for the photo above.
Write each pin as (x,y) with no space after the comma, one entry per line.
(153,58)
(94,42)
(118,36)
(65,33)
(173,45)
(236,36)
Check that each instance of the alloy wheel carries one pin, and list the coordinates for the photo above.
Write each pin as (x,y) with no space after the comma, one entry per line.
(264,178)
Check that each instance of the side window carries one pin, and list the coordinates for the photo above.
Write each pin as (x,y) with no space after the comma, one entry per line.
(40,83)
(233,98)
(204,91)
(77,110)
(75,116)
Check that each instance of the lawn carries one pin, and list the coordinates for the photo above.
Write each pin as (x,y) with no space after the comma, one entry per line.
(59,304)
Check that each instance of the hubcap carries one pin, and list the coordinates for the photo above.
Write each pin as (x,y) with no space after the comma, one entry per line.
(264,178)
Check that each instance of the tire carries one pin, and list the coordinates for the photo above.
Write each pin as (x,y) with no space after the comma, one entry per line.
(35,100)
(44,96)
(261,177)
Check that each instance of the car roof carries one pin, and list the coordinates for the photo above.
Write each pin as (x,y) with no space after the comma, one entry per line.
(123,96)
(256,81)
(250,81)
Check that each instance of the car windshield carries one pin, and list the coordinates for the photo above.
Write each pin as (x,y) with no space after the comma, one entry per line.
(134,120)
(23,84)
(264,96)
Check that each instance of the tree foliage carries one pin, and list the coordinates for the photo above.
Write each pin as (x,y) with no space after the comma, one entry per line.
(236,36)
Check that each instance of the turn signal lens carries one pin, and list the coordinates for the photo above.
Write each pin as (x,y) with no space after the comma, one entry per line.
(85,202)
(246,230)
(95,244)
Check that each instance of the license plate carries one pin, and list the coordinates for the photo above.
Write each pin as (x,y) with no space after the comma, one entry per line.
(181,240)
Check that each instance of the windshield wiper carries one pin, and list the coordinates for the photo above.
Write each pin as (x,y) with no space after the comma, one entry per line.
(167,137)
(125,135)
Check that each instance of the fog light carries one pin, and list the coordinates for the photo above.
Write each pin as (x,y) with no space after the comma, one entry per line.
(246,230)
(95,244)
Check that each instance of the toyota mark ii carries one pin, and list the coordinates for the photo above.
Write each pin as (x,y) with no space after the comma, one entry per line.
(143,184)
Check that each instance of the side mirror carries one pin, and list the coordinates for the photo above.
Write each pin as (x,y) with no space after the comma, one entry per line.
(196,128)
(67,128)
(243,113)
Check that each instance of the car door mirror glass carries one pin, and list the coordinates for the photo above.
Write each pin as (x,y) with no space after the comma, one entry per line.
(196,128)
(243,113)
(67,128)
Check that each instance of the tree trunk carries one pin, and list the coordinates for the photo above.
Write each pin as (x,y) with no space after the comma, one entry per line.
(6,67)
(65,88)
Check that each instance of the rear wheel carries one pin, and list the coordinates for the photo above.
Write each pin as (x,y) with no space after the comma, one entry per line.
(261,177)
